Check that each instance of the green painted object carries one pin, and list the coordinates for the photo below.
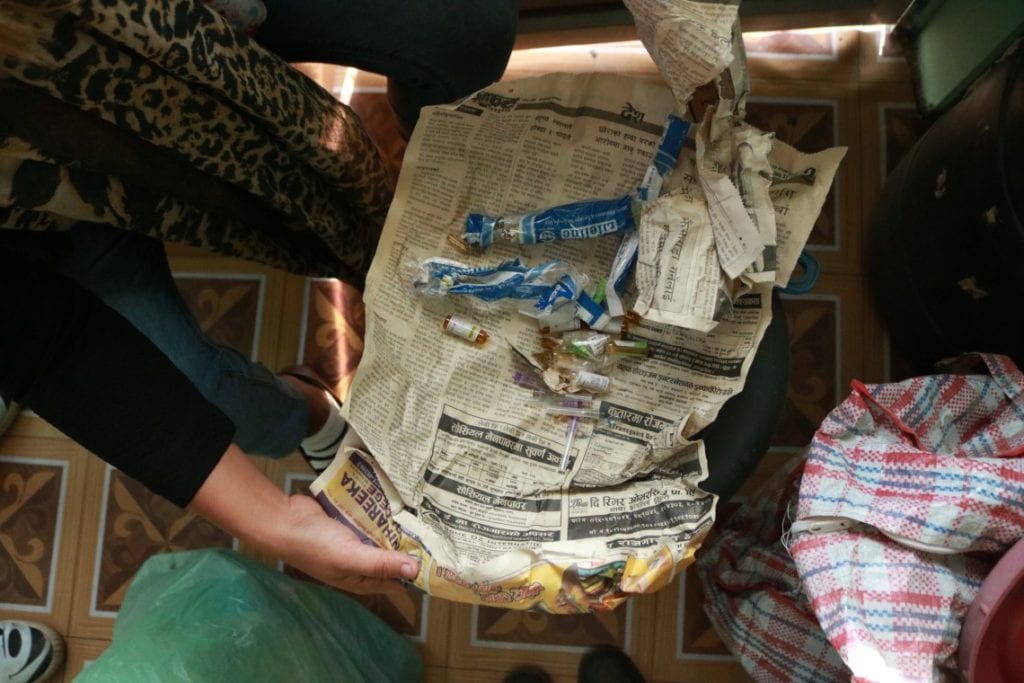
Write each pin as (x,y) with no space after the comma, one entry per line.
(954,41)
(214,615)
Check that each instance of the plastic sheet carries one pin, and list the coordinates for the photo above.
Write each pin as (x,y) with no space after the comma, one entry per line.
(214,615)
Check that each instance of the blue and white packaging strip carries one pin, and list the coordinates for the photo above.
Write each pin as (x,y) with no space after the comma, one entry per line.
(563,291)
(665,158)
(579,220)
(479,230)
(550,284)
(591,312)
(625,258)
(664,161)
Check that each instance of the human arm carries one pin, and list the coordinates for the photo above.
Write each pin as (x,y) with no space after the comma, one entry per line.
(295,528)
(87,371)
(84,368)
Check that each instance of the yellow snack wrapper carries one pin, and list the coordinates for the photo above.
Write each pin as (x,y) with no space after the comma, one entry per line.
(357,493)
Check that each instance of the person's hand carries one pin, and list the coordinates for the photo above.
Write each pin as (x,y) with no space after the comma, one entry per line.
(327,550)
(240,499)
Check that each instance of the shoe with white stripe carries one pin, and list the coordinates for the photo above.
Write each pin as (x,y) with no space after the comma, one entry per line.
(320,448)
(29,652)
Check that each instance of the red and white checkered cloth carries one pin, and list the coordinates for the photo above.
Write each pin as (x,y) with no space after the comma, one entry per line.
(901,480)
(752,593)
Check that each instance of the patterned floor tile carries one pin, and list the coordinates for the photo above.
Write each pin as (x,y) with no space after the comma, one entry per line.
(814,333)
(81,653)
(500,640)
(686,645)
(136,525)
(40,521)
(525,630)
(891,127)
(29,424)
(235,303)
(31,512)
(696,638)
(812,116)
(331,334)
(827,350)
(809,126)
(228,307)
(902,125)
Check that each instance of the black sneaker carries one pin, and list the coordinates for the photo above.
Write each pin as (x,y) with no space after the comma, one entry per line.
(29,652)
(607,664)
(528,674)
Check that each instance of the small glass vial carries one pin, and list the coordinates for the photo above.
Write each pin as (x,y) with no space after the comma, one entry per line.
(457,327)
(591,381)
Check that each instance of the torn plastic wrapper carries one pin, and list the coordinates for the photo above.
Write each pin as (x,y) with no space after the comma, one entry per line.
(579,220)
(549,284)
(561,319)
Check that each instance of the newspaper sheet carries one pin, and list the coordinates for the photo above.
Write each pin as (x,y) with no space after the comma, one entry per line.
(691,42)
(716,233)
(680,276)
(464,471)
(465,468)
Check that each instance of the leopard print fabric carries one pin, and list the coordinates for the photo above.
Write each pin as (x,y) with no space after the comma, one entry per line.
(252,158)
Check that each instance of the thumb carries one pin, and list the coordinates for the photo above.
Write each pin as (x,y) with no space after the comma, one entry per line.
(377,563)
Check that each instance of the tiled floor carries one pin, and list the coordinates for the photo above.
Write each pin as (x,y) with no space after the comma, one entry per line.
(74,531)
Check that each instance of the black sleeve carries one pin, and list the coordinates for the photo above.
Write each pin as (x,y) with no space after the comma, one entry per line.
(86,370)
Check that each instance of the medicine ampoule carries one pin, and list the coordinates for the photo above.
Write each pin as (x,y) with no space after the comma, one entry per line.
(457,327)
(591,381)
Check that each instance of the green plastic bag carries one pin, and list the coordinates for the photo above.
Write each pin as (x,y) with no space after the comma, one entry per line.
(214,615)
